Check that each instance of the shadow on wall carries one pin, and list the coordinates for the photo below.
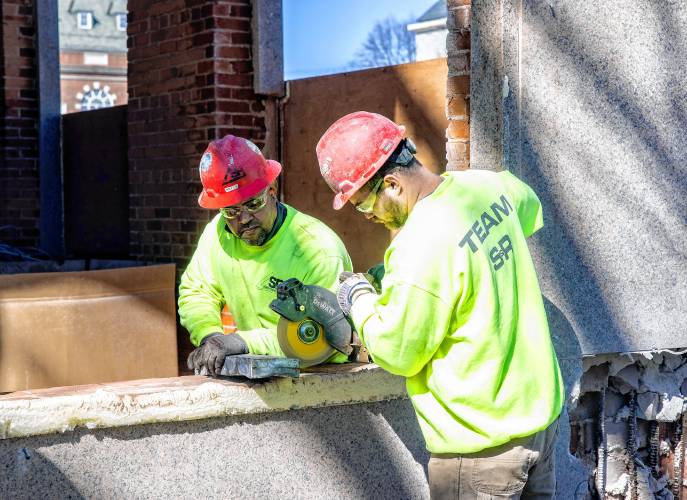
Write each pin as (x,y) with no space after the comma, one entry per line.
(608,164)
(28,474)
(349,451)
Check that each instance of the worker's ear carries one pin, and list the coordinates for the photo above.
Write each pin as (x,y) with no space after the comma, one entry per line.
(272,189)
(393,185)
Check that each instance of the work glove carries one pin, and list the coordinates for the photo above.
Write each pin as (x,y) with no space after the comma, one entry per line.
(352,286)
(374,275)
(212,350)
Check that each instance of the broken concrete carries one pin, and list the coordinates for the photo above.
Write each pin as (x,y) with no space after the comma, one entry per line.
(635,450)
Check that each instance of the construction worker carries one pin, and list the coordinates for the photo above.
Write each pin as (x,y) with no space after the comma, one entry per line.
(250,246)
(460,313)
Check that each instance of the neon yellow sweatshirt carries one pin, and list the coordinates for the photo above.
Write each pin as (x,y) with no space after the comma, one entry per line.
(461,315)
(224,269)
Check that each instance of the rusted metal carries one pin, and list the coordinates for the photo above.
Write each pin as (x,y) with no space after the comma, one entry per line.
(654,442)
(676,470)
(603,452)
(574,437)
(632,446)
(681,482)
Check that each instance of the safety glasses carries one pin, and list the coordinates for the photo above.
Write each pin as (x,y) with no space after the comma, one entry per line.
(368,204)
(251,206)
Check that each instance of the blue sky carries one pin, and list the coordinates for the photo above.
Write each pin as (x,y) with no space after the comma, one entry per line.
(321,36)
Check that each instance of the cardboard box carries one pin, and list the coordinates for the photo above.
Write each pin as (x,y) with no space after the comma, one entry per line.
(70,328)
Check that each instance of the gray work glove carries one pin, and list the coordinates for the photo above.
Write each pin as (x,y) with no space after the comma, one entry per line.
(352,286)
(212,350)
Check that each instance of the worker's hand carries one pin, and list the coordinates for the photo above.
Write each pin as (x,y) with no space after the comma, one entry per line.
(374,275)
(371,278)
(212,351)
(352,286)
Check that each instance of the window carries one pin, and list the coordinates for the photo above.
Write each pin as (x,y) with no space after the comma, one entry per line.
(120,20)
(84,20)
(95,58)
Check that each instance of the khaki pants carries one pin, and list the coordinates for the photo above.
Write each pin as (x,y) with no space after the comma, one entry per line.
(523,468)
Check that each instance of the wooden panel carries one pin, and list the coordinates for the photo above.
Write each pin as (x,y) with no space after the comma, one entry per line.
(410,94)
(70,328)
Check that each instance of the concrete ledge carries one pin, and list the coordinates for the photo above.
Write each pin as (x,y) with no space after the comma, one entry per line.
(63,409)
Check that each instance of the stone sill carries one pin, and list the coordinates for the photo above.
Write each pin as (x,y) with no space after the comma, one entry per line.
(62,409)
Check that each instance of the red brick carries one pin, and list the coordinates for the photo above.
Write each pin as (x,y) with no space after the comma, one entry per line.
(452,4)
(458,129)
(181,96)
(19,149)
(456,107)
(458,85)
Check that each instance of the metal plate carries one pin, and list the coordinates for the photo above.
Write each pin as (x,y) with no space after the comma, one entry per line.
(309,354)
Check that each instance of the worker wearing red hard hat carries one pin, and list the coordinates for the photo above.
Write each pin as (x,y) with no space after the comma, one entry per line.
(460,313)
(252,244)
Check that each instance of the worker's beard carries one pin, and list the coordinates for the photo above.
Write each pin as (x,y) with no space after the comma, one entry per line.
(395,215)
(253,235)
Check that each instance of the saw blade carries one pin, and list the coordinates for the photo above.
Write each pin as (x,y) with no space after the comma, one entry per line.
(303,340)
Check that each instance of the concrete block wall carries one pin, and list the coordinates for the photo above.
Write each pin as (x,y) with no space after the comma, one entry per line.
(458,84)
(19,185)
(343,431)
(190,81)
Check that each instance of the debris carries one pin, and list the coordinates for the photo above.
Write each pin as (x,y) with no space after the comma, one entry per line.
(671,409)
(619,487)
(672,362)
(630,375)
(595,379)
(647,404)
(628,420)
(614,403)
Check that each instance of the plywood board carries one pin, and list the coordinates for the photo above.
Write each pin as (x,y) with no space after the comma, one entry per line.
(86,327)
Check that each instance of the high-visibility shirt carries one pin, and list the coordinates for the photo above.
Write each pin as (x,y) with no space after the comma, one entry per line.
(461,315)
(224,269)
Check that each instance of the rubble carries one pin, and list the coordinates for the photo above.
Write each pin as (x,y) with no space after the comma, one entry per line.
(626,415)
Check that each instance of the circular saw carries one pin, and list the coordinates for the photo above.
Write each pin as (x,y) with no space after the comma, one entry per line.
(312,326)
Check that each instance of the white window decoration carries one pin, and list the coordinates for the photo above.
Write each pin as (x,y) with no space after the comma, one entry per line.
(84,20)
(95,58)
(120,20)
(95,97)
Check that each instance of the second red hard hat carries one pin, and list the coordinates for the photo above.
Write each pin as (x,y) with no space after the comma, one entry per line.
(353,149)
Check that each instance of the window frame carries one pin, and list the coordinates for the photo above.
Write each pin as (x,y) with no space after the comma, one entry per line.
(88,25)
(118,22)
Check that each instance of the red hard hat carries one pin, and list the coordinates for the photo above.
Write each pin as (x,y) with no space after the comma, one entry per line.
(353,149)
(233,170)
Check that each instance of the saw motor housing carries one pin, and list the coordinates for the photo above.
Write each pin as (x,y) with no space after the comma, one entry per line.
(304,304)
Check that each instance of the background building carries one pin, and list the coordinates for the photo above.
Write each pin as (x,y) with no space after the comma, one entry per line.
(430,32)
(92,54)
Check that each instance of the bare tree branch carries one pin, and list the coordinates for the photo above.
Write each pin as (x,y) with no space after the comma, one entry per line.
(388,43)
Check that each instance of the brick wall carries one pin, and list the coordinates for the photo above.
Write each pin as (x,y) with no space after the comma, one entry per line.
(19,188)
(190,81)
(458,85)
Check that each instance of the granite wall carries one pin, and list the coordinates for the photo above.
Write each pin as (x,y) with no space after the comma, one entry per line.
(372,450)
(587,102)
